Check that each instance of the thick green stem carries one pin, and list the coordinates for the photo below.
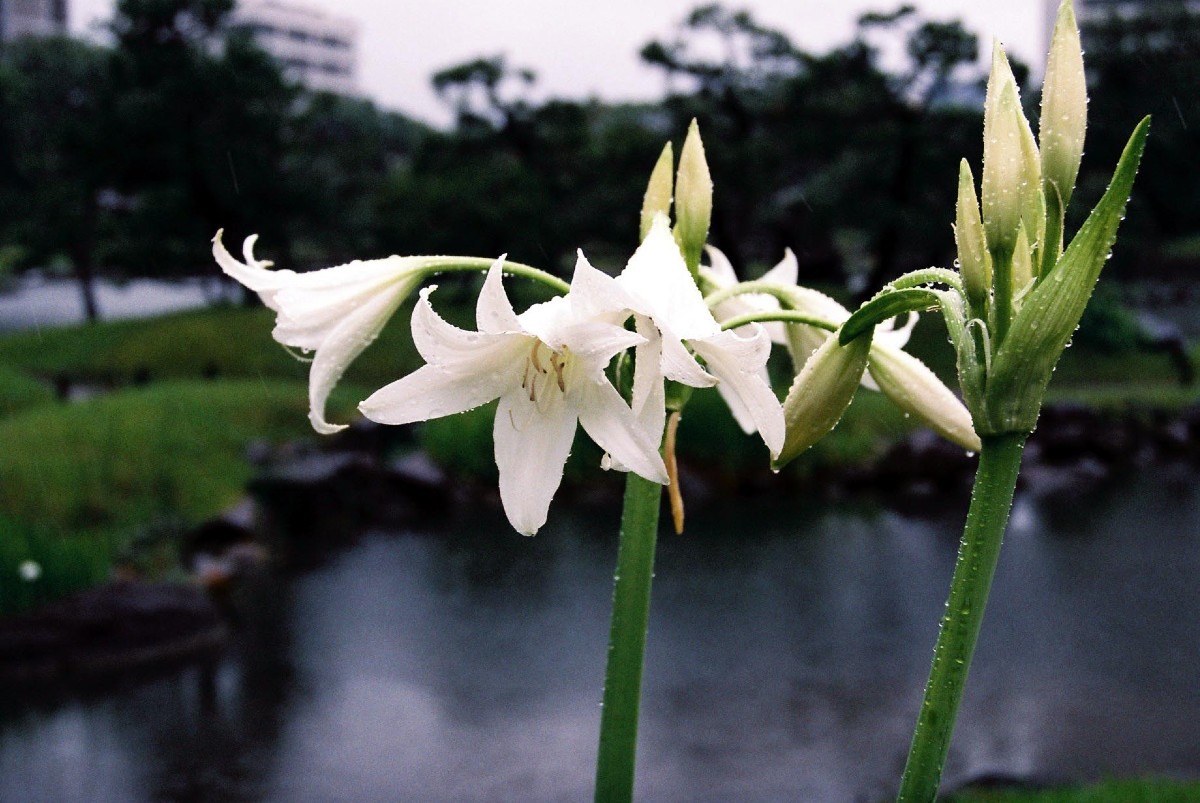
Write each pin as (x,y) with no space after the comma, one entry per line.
(991,501)
(627,641)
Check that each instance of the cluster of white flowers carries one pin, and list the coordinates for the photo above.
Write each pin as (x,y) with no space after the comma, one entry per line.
(548,367)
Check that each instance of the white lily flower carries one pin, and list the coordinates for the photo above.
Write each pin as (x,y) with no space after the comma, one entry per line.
(546,366)
(335,312)
(720,272)
(670,312)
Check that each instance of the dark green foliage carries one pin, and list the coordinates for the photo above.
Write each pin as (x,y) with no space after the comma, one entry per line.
(184,126)
(1148,63)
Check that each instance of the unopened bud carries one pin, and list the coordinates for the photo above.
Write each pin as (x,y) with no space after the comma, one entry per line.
(1064,107)
(1002,167)
(657,200)
(916,390)
(693,199)
(974,261)
(821,393)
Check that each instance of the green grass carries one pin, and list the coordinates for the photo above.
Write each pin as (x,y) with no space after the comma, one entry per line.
(60,563)
(170,448)
(227,342)
(1125,791)
(81,483)
(19,391)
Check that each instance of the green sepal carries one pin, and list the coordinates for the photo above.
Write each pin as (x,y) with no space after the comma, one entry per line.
(1023,365)
(886,305)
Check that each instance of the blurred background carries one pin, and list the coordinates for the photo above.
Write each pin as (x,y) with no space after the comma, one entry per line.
(141,395)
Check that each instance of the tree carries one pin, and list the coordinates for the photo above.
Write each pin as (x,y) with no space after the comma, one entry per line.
(55,114)
(1148,63)
(201,122)
(819,152)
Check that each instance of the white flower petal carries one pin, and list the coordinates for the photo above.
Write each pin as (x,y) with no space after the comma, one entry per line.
(597,296)
(532,445)
(457,350)
(494,313)
(785,272)
(659,282)
(893,335)
(678,364)
(723,274)
(257,278)
(613,426)
(738,362)
(595,344)
(649,392)
(430,392)
(345,342)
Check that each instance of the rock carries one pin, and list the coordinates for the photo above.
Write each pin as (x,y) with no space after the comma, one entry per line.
(106,632)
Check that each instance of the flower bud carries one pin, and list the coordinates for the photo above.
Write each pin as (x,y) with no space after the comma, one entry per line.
(974,261)
(821,393)
(916,390)
(1064,107)
(657,200)
(693,199)
(1003,161)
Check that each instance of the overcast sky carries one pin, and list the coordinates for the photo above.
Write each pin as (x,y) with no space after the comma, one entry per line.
(584,49)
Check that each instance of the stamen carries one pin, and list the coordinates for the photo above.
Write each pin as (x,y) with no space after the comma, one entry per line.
(533,356)
(558,364)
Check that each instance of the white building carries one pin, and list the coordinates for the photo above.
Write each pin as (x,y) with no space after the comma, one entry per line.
(314,48)
(32,18)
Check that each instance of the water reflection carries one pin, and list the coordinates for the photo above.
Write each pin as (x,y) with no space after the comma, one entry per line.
(784,663)
(35,302)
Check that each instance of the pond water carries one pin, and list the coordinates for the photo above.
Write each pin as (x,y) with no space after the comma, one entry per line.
(34,302)
(785,662)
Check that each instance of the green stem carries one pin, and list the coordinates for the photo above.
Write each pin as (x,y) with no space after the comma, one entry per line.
(449,264)
(991,501)
(1002,291)
(784,315)
(627,641)
(779,291)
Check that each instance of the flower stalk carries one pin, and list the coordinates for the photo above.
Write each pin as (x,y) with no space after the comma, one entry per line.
(991,501)
(627,641)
